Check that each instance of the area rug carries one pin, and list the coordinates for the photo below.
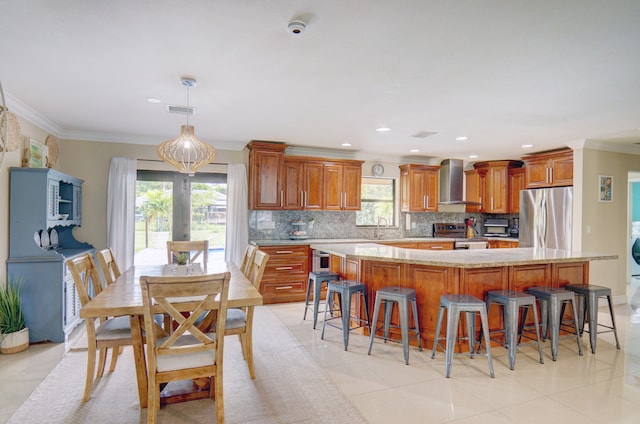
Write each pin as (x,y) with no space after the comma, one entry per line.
(289,388)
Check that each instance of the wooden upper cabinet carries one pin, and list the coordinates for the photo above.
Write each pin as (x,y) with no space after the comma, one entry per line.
(517,182)
(342,184)
(292,184)
(419,188)
(490,186)
(277,181)
(475,189)
(265,175)
(351,186)
(333,177)
(303,184)
(313,186)
(550,169)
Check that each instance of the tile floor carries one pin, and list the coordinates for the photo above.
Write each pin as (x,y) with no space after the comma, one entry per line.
(590,389)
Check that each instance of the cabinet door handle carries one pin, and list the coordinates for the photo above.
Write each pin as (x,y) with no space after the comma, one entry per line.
(435,247)
(492,204)
(282,268)
(281,197)
(283,252)
(480,201)
(284,288)
(550,175)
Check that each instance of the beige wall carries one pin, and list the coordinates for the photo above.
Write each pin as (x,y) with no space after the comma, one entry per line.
(603,226)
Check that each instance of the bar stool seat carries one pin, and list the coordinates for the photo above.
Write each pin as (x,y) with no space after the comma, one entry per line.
(588,308)
(456,304)
(552,302)
(388,296)
(511,302)
(316,280)
(345,289)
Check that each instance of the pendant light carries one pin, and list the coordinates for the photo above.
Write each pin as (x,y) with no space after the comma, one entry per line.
(187,152)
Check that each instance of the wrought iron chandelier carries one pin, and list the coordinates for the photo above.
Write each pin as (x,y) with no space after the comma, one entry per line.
(187,152)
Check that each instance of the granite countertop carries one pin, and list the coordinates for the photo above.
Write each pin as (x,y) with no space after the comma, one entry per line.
(472,258)
(281,242)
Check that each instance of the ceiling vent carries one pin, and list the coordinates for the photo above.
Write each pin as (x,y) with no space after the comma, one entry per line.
(181,110)
(423,134)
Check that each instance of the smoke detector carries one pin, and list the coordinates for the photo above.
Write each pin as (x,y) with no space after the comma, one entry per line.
(296,27)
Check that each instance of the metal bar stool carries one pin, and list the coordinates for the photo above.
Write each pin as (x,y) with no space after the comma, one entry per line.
(345,289)
(388,296)
(588,296)
(455,304)
(316,280)
(552,301)
(511,302)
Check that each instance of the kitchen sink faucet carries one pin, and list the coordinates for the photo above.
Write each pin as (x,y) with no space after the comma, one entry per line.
(378,234)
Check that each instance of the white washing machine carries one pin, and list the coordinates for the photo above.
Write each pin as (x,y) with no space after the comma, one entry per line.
(635,248)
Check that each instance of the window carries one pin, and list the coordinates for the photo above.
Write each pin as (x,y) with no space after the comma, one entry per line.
(174,206)
(378,200)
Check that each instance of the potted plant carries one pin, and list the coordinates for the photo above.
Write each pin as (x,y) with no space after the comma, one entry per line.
(14,334)
(183,258)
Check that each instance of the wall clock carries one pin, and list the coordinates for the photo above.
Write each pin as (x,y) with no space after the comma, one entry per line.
(377,169)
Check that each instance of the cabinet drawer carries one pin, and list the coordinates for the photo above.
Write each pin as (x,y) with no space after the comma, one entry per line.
(282,267)
(445,245)
(292,290)
(285,251)
(296,286)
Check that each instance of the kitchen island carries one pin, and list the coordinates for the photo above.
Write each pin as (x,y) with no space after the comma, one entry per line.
(474,272)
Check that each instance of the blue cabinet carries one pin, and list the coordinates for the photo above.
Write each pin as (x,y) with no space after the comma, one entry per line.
(43,202)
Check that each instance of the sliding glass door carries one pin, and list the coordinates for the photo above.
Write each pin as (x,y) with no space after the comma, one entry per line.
(174,206)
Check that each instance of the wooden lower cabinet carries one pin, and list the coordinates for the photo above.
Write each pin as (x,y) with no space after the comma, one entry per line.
(435,245)
(502,244)
(286,275)
(430,282)
(424,245)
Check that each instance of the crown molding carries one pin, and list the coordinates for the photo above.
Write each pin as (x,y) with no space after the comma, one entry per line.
(31,115)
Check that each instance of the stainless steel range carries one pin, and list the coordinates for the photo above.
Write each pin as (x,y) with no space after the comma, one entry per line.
(458,232)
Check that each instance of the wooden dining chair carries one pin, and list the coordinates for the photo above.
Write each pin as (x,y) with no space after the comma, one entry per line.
(188,353)
(108,265)
(247,260)
(111,333)
(193,250)
(240,320)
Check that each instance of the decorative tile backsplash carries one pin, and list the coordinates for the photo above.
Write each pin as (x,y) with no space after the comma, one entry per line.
(276,225)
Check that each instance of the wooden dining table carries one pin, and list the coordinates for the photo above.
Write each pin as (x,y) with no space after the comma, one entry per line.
(124,298)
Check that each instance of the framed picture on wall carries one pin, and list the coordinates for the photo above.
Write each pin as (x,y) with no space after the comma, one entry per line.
(605,193)
(35,154)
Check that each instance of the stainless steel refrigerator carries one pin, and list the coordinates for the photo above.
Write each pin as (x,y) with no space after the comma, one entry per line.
(545,218)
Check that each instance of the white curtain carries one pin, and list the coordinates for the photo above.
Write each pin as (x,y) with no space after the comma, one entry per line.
(121,205)
(237,213)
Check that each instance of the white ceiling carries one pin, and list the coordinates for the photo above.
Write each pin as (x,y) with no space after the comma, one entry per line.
(504,73)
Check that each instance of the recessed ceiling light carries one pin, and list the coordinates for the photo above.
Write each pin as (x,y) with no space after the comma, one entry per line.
(462,138)
(154,100)
(383,129)
(473,156)
(346,144)
(414,150)
(526,146)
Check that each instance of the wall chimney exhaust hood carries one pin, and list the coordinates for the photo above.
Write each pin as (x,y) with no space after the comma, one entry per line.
(451,183)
